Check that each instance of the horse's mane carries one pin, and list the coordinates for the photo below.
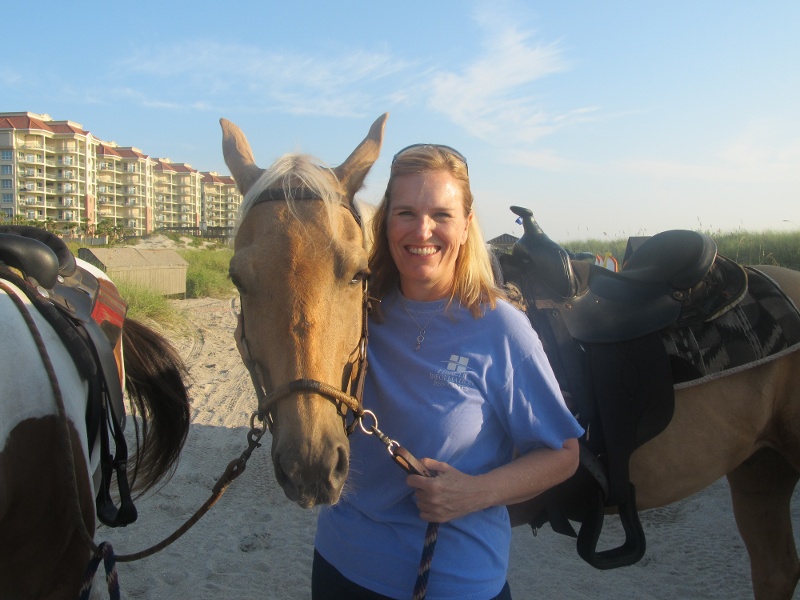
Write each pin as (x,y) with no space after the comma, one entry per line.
(293,171)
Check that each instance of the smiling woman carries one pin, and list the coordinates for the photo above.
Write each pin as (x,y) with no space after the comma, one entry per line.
(450,362)
(426,229)
(429,185)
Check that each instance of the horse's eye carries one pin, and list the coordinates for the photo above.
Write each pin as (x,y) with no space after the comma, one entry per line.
(362,275)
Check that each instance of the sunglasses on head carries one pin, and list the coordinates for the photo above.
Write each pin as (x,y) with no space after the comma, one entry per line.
(447,149)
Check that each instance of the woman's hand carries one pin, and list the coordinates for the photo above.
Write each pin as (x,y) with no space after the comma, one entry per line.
(453,494)
(448,496)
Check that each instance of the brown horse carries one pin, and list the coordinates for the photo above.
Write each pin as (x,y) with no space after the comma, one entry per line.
(745,426)
(47,494)
(298,265)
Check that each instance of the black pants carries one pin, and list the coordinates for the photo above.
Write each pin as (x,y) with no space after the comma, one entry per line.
(329,584)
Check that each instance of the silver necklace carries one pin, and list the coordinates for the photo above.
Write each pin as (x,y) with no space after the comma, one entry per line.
(422,328)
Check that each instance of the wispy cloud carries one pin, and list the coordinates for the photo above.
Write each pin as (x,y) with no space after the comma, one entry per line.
(546,160)
(762,153)
(337,85)
(10,77)
(496,96)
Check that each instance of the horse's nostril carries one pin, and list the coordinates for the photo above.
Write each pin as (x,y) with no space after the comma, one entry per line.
(343,462)
(280,474)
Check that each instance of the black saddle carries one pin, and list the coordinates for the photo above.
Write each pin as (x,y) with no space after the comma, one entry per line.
(601,331)
(602,306)
(37,253)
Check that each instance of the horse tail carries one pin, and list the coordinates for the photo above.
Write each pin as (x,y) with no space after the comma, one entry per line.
(154,381)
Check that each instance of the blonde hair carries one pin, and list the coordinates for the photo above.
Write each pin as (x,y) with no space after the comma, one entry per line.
(473,280)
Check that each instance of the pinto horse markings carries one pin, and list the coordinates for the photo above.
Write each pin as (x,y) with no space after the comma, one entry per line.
(43,553)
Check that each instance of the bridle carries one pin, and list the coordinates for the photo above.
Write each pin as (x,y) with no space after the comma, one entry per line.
(354,373)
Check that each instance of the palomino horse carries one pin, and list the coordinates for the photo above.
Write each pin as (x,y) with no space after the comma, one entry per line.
(299,264)
(49,461)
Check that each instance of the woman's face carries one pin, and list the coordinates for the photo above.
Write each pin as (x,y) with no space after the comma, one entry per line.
(426,228)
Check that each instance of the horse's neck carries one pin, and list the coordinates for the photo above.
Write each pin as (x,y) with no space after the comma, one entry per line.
(366,212)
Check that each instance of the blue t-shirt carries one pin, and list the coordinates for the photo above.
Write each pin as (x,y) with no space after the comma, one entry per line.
(474,391)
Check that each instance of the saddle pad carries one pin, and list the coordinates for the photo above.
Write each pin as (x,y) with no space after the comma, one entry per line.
(762,327)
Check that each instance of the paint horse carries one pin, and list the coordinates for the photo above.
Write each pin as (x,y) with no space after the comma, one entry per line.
(65,348)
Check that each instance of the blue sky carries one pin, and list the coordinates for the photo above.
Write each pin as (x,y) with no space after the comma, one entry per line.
(607,119)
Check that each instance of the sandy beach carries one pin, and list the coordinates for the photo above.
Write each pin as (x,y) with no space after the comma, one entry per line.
(255,544)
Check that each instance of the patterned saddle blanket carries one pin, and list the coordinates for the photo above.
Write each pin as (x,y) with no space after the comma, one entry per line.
(763,326)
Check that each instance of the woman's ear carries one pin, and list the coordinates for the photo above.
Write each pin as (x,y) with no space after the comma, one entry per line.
(465,234)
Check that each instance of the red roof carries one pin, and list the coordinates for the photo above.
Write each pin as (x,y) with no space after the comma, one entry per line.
(130,152)
(29,121)
(212,178)
(106,150)
(165,165)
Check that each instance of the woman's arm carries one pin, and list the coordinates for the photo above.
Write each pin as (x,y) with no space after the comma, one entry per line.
(453,494)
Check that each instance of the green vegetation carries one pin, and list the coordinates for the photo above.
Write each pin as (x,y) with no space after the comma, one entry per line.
(146,305)
(207,274)
(747,248)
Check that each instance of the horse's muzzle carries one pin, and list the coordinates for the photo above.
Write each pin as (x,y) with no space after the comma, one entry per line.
(312,482)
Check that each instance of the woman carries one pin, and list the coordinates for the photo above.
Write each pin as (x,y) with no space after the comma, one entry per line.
(458,377)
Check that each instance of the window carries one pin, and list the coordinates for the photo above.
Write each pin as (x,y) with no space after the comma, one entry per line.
(8,212)
(7,184)
(8,198)
(6,169)
(6,155)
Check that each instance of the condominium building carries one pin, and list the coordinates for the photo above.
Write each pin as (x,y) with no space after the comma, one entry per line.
(59,174)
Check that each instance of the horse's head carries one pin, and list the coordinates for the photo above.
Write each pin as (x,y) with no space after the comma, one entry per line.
(300,264)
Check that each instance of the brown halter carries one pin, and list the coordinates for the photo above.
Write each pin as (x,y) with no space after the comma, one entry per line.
(354,373)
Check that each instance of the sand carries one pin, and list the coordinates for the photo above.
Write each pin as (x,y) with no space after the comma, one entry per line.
(255,544)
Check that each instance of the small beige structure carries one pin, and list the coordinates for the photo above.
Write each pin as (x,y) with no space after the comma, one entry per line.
(163,271)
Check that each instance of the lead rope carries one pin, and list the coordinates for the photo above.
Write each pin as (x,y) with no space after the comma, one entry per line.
(412,466)
(421,586)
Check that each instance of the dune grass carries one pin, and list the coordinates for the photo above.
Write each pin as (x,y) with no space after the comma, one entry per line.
(146,305)
(745,247)
(207,274)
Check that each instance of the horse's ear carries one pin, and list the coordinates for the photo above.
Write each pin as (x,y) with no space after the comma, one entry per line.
(352,172)
(239,156)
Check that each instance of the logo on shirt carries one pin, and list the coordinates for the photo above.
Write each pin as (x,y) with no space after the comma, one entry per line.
(458,363)
(454,374)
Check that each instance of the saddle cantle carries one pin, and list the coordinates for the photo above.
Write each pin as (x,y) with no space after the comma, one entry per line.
(87,314)
(602,332)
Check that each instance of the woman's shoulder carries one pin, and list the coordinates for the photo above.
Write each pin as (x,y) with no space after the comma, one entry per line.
(509,320)
(505,311)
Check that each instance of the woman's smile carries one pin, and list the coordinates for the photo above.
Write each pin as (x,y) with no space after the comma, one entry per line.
(426,229)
